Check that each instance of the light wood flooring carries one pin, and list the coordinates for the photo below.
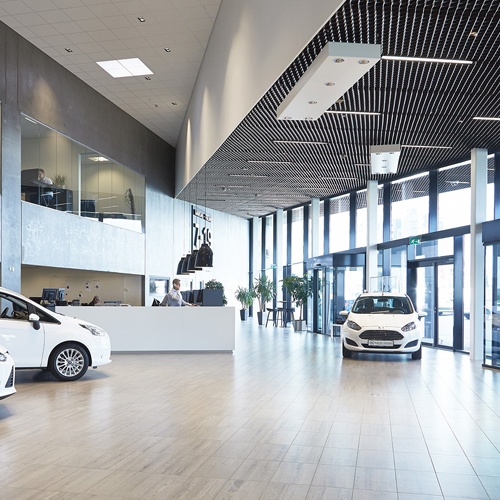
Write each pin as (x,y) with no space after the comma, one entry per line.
(283,417)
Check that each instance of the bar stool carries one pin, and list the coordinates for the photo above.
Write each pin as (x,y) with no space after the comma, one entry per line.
(279,317)
(269,311)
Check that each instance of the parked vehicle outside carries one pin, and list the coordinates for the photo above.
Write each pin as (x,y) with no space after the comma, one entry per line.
(39,338)
(7,374)
(384,323)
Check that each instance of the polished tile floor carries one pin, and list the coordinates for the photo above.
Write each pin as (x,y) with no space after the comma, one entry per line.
(283,417)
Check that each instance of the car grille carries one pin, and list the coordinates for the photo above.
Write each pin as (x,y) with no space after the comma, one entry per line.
(380,335)
(10,381)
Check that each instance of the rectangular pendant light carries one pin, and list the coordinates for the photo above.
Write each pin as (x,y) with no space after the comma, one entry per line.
(336,69)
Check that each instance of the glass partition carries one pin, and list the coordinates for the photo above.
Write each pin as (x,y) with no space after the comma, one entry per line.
(410,206)
(59,173)
(339,224)
(492,307)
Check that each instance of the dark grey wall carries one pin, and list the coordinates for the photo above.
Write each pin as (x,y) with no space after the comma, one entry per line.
(54,96)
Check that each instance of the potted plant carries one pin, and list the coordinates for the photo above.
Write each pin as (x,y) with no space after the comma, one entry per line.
(265,290)
(60,180)
(216,285)
(300,289)
(245,297)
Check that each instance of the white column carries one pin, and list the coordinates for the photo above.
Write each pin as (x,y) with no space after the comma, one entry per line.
(314,227)
(280,245)
(479,181)
(371,228)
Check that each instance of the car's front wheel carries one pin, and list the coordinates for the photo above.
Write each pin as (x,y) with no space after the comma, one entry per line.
(346,352)
(69,362)
(417,354)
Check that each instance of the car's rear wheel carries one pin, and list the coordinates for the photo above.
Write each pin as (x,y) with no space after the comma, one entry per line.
(346,352)
(417,354)
(69,362)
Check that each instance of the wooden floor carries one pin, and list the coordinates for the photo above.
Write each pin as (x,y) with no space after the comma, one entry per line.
(284,416)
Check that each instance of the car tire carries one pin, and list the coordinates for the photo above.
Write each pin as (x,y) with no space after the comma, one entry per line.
(346,353)
(69,362)
(417,354)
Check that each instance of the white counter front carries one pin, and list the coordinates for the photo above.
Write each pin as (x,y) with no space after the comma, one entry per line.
(162,328)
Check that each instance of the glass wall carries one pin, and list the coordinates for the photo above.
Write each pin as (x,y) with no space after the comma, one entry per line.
(454,196)
(492,307)
(410,207)
(339,224)
(298,241)
(269,241)
(61,174)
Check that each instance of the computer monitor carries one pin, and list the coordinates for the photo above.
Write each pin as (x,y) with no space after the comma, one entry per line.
(50,294)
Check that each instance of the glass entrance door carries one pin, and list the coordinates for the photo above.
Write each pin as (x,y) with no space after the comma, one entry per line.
(434,296)
(322,304)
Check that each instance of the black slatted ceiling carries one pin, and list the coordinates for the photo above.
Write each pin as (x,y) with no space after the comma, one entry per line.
(420,104)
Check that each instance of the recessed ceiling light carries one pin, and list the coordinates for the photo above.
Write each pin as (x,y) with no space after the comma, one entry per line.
(141,19)
(313,102)
(174,103)
(271,162)
(491,118)
(425,59)
(98,158)
(125,67)
(368,113)
(330,84)
(363,61)
(473,33)
(423,146)
(249,175)
(167,49)
(147,77)
(338,60)
(301,142)
(68,49)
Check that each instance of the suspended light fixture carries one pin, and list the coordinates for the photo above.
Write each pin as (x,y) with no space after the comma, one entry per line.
(205,256)
(180,264)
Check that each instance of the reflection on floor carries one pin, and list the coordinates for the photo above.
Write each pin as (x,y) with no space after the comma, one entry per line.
(283,417)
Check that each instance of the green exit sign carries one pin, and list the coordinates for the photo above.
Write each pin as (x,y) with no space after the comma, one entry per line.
(415,240)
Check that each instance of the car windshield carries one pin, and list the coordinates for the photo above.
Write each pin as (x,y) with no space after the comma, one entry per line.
(382,305)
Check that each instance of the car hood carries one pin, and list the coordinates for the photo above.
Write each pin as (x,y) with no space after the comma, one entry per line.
(382,320)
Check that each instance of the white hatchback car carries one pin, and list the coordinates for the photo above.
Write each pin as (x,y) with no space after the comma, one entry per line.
(39,338)
(7,373)
(384,323)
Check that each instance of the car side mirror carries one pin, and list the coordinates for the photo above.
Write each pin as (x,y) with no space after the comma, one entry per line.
(344,313)
(422,314)
(35,320)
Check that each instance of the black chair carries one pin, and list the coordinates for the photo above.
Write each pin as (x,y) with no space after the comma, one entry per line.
(270,311)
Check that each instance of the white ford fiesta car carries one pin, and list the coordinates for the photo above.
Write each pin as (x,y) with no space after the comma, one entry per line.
(39,338)
(7,374)
(384,323)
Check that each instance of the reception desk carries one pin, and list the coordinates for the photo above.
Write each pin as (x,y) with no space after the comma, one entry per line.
(162,328)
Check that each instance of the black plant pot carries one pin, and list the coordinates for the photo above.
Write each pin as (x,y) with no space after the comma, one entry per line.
(260,315)
(244,314)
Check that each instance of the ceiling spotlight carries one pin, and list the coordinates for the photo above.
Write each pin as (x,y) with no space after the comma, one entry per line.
(141,19)
(314,85)
(147,77)
(67,49)
(167,49)
(473,33)
(363,61)
(174,104)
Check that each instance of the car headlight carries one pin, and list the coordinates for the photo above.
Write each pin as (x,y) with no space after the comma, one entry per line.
(94,330)
(409,327)
(3,357)
(353,325)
